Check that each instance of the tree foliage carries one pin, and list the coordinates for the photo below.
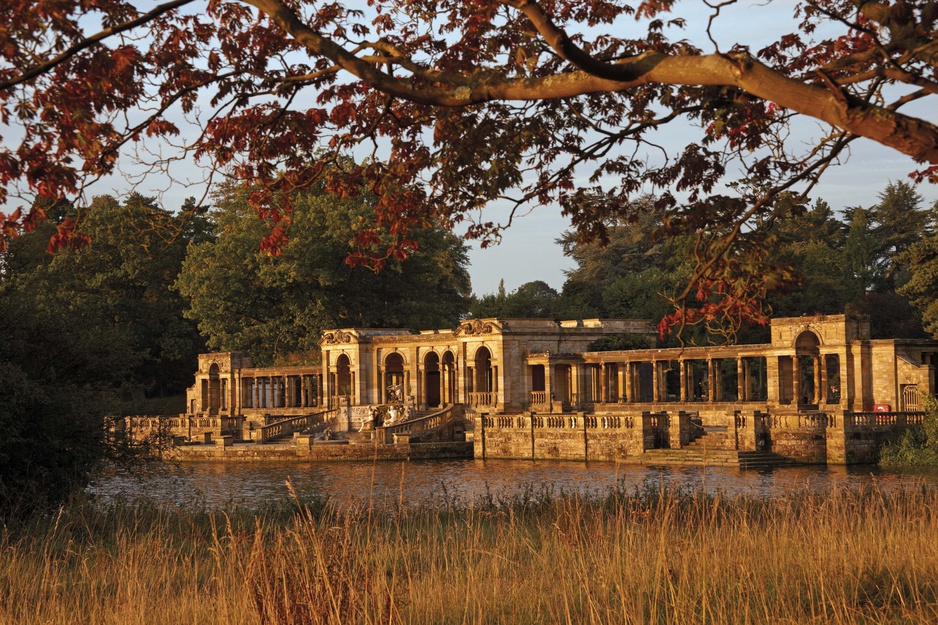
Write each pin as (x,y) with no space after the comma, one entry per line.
(514,101)
(276,306)
(97,330)
(917,445)
(535,300)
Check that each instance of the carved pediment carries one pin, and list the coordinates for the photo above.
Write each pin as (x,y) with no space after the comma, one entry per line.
(472,327)
(337,337)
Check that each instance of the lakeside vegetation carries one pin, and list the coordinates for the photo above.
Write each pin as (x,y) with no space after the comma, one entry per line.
(653,556)
(916,446)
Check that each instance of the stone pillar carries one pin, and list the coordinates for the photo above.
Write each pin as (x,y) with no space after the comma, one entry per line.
(326,387)
(603,386)
(548,387)
(655,381)
(573,388)
(823,394)
(740,380)
(772,379)
(796,380)
(817,379)
(382,386)
(422,387)
(630,380)
(621,372)
(718,380)
(256,394)
(711,381)
(682,366)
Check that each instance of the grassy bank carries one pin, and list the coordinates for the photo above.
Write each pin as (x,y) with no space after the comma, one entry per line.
(850,557)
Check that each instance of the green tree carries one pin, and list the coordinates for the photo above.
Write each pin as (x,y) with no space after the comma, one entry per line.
(276,306)
(922,286)
(814,244)
(861,251)
(535,300)
(97,329)
(630,277)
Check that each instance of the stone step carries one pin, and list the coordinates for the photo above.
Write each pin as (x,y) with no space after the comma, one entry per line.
(713,439)
(742,459)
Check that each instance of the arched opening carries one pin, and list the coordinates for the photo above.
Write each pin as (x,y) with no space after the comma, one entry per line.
(214,389)
(432,380)
(448,365)
(343,376)
(807,372)
(394,378)
(483,371)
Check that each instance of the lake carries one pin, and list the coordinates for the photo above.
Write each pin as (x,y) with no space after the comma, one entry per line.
(388,484)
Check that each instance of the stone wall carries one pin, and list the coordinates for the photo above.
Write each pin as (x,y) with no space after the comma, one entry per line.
(321,451)
(572,436)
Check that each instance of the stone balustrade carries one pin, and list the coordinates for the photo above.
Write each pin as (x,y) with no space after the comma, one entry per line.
(855,419)
(418,425)
(286,427)
(486,398)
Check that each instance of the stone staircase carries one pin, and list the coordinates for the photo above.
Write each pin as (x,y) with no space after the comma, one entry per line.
(715,447)
(715,458)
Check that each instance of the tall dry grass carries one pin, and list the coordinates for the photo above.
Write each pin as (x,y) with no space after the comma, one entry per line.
(640,557)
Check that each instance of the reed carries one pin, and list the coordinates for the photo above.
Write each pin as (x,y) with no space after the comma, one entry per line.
(650,556)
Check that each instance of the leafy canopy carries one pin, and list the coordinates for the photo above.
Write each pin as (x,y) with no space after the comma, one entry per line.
(97,332)
(277,306)
(522,102)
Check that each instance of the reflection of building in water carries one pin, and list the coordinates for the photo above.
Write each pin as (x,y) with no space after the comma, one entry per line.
(820,365)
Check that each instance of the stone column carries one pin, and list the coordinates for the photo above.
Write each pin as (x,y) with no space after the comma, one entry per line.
(326,387)
(823,394)
(772,379)
(682,365)
(382,386)
(711,381)
(718,380)
(622,378)
(655,381)
(548,387)
(422,390)
(603,386)
(255,394)
(817,379)
(796,380)
(573,387)
(740,380)
(630,380)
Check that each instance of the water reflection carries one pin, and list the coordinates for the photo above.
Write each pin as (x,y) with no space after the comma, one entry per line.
(384,484)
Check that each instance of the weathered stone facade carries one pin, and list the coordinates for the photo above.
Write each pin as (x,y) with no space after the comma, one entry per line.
(535,390)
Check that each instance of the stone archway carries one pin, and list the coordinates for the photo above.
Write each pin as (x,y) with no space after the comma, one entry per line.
(448,365)
(343,376)
(483,382)
(394,378)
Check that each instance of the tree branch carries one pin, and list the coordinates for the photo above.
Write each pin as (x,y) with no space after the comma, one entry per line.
(87,42)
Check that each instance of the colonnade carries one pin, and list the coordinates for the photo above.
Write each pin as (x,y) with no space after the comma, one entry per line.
(281,391)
